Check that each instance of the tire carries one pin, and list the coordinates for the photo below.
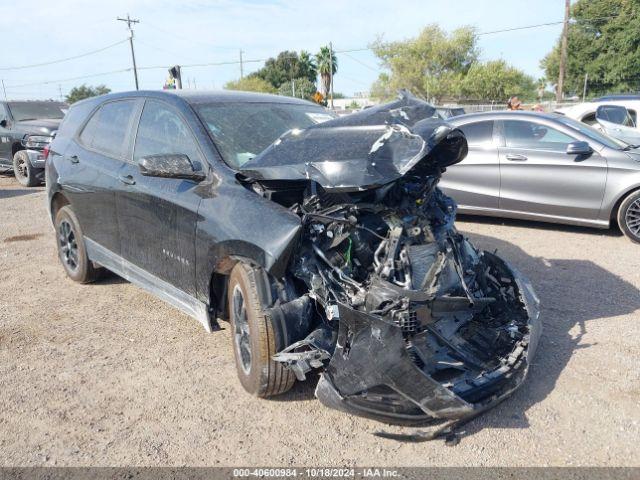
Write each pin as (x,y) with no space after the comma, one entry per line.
(629,216)
(22,169)
(254,337)
(71,248)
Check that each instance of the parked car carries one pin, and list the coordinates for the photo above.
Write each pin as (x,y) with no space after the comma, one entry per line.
(616,116)
(328,246)
(546,167)
(449,112)
(26,129)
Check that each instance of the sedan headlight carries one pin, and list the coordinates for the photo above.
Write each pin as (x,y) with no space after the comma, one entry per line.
(36,142)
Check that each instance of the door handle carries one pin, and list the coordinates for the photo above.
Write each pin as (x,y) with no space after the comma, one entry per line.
(74,159)
(516,157)
(127,179)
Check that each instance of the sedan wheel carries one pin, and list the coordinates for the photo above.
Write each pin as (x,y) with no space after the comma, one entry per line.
(629,217)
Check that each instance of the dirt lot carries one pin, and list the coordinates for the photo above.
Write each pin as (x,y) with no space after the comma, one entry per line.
(106,374)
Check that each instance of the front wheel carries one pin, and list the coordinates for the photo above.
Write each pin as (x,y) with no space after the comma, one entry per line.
(71,248)
(22,169)
(629,217)
(254,337)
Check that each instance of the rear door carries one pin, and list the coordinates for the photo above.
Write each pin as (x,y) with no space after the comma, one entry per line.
(157,216)
(475,182)
(90,167)
(539,177)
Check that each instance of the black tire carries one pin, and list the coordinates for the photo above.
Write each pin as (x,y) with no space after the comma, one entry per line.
(629,216)
(254,337)
(71,248)
(24,172)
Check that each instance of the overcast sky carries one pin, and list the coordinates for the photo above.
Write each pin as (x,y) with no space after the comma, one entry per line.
(208,31)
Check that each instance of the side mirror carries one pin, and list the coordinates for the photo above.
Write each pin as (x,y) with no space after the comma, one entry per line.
(4,123)
(579,148)
(174,165)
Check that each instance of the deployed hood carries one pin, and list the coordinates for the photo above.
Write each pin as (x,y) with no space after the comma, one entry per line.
(365,149)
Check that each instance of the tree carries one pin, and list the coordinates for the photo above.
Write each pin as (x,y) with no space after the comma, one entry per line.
(327,64)
(299,88)
(603,43)
(83,91)
(496,81)
(286,67)
(431,65)
(250,84)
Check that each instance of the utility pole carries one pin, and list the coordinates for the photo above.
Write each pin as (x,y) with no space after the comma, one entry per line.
(331,73)
(129,21)
(4,90)
(563,52)
(241,69)
(584,90)
(60,91)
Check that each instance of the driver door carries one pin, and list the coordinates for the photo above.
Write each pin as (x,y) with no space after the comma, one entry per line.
(157,216)
(539,177)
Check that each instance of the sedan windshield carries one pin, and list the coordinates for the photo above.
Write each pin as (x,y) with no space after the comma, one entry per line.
(243,130)
(593,133)
(37,110)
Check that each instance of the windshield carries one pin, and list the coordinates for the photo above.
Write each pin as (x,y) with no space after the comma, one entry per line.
(593,133)
(37,110)
(243,130)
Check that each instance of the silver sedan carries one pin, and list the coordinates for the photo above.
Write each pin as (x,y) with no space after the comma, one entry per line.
(546,167)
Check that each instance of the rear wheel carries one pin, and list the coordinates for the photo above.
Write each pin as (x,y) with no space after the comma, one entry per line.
(71,249)
(22,169)
(629,216)
(254,337)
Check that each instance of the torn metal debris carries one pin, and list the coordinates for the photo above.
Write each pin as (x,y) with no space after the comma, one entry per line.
(404,319)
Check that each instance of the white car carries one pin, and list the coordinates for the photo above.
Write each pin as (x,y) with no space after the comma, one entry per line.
(616,116)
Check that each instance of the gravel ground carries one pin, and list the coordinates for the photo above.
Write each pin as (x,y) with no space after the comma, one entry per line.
(106,374)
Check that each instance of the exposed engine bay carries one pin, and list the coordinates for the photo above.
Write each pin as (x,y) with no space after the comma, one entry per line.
(404,319)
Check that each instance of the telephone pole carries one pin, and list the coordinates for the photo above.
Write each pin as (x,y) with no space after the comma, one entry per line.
(4,90)
(241,69)
(563,52)
(331,73)
(130,21)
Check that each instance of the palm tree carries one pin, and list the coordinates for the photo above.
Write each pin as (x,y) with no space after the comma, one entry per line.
(307,66)
(327,66)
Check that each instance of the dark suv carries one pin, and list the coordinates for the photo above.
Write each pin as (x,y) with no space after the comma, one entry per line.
(324,241)
(26,129)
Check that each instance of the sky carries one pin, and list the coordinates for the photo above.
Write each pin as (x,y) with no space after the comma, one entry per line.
(187,32)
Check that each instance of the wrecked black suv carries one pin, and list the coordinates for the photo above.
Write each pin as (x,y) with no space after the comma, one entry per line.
(324,241)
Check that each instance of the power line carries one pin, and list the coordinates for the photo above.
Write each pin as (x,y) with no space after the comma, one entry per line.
(361,62)
(86,54)
(60,80)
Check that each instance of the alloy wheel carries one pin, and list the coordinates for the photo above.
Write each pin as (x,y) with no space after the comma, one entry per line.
(241,333)
(68,245)
(632,218)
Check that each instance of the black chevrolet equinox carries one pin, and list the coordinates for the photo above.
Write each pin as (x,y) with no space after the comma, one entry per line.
(325,242)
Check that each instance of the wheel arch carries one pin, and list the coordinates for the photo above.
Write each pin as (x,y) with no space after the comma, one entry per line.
(15,148)
(58,200)
(613,215)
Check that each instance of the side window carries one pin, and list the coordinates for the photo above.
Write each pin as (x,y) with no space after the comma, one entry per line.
(163,131)
(617,114)
(479,133)
(522,134)
(107,129)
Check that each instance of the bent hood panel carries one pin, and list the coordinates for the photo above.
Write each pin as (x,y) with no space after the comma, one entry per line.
(364,149)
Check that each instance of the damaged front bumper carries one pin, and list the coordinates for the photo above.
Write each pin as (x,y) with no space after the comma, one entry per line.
(374,373)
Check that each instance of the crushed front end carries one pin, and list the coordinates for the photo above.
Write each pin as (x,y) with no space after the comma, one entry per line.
(408,321)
